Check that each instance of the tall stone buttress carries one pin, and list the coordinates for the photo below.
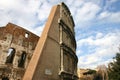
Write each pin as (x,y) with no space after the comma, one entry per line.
(55,57)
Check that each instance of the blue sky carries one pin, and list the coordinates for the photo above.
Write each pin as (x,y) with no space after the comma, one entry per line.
(97,25)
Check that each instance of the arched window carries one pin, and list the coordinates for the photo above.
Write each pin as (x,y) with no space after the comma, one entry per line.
(10,55)
(22,59)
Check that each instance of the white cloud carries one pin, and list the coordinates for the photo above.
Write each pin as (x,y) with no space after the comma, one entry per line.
(99,35)
(104,15)
(44,11)
(7,3)
(79,52)
(115,17)
(78,3)
(17,12)
(38,30)
(110,17)
(104,48)
(100,40)
(75,5)
(87,12)
(24,13)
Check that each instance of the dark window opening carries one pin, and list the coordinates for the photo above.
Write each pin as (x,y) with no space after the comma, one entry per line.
(5,78)
(22,59)
(10,55)
(26,35)
(5,38)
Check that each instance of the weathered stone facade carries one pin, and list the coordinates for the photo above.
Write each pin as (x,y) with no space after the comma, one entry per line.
(16,49)
(54,56)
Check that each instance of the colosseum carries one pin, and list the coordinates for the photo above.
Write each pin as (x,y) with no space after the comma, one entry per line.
(26,56)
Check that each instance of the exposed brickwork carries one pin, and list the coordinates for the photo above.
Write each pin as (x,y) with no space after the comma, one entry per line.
(13,36)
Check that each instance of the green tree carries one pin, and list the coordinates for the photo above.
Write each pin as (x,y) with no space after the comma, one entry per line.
(114,68)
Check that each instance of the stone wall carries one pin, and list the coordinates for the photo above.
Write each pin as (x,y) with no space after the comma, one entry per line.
(16,49)
(55,55)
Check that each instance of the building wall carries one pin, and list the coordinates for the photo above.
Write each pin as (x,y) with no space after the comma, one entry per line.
(87,74)
(55,55)
(13,37)
(68,44)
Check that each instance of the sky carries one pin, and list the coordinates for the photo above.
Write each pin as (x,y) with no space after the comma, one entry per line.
(97,25)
